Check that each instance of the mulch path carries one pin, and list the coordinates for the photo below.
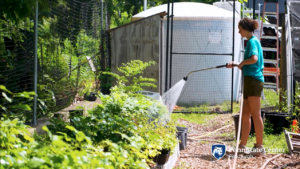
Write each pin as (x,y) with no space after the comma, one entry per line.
(198,154)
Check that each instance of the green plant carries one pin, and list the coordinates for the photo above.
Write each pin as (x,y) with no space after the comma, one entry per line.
(271,98)
(128,82)
(87,88)
(268,127)
(12,108)
(272,143)
(106,82)
(168,136)
(293,108)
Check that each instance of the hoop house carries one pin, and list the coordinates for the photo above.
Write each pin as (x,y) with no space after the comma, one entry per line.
(200,28)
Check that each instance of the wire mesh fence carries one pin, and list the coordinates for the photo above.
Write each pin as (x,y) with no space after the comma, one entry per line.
(200,42)
(16,61)
(71,53)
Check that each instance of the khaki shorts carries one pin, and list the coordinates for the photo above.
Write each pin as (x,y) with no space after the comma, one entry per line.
(252,87)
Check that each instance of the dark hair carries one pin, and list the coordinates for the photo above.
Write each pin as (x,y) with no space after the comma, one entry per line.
(248,24)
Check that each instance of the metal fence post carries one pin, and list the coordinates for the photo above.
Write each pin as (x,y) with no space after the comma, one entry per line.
(35,62)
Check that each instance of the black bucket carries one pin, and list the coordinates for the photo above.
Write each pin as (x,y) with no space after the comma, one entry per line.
(181,137)
(186,130)
(267,117)
(279,122)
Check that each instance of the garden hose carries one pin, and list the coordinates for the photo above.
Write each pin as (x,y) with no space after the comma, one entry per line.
(220,66)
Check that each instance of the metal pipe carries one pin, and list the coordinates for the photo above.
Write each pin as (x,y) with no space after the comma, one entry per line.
(232,72)
(35,62)
(167,46)
(290,55)
(171,45)
(102,41)
(203,53)
(253,9)
(145,5)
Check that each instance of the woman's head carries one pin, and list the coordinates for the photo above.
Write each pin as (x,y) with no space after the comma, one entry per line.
(248,24)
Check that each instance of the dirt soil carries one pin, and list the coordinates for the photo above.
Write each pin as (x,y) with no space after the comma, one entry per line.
(198,154)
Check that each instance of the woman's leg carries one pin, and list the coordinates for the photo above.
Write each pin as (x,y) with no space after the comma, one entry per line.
(254,104)
(246,125)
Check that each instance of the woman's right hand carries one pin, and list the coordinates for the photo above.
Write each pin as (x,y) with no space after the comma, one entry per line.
(232,64)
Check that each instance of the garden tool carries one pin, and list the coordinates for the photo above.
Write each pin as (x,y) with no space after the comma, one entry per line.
(220,66)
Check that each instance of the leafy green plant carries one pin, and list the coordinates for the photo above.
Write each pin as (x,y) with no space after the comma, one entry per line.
(106,82)
(87,88)
(268,127)
(15,109)
(128,82)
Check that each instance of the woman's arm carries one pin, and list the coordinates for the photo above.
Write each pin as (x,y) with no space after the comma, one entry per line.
(253,59)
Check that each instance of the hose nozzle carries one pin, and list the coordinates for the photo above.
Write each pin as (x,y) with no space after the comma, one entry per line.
(185,78)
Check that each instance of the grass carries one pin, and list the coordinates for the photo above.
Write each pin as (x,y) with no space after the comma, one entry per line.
(271,98)
(206,107)
(193,118)
(271,143)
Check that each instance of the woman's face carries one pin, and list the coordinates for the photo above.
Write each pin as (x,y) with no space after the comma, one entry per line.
(242,31)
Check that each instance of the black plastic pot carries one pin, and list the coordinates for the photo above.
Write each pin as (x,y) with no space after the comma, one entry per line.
(77,112)
(279,122)
(186,130)
(162,158)
(86,97)
(236,124)
(92,97)
(181,137)
(267,117)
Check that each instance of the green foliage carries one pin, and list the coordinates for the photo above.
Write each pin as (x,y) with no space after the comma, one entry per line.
(17,10)
(117,134)
(106,82)
(272,143)
(87,88)
(268,127)
(129,82)
(20,150)
(15,109)
(123,132)
(285,108)
(271,98)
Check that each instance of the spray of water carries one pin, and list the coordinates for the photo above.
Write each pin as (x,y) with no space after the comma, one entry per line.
(171,96)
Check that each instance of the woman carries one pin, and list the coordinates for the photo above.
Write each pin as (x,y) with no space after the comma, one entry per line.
(252,67)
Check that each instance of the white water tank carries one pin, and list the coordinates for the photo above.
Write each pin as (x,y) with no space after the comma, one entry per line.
(200,28)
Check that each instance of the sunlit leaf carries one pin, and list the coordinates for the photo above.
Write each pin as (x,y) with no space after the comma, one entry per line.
(6,97)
